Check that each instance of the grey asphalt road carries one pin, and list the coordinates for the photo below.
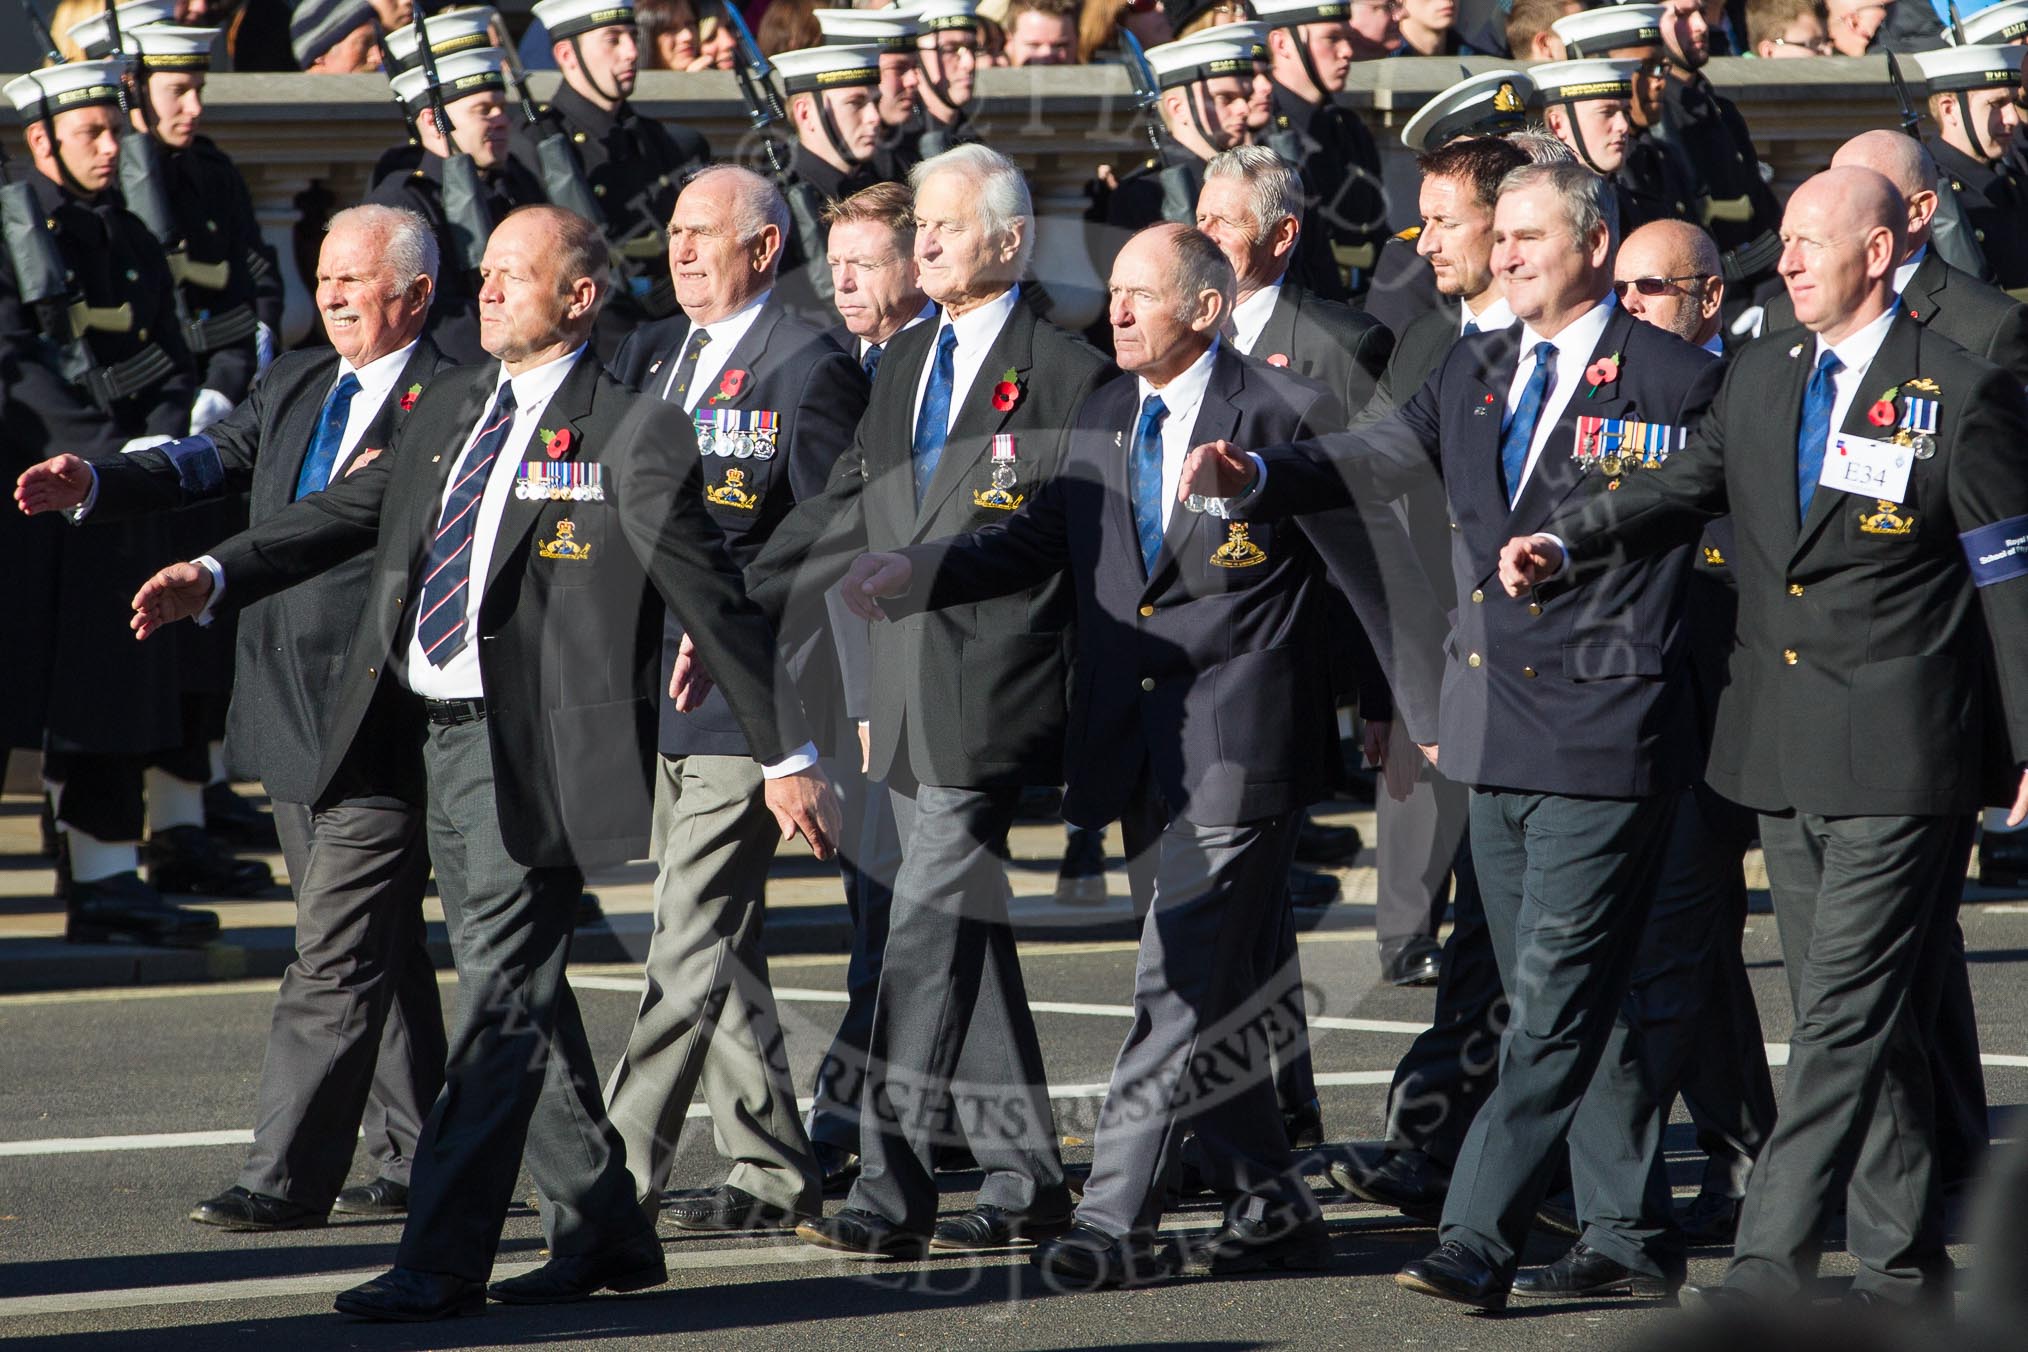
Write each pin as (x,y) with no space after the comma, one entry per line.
(121,1109)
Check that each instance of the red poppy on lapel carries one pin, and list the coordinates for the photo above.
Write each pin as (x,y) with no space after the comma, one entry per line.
(557,442)
(1604,371)
(408,398)
(730,383)
(1881,414)
(1008,392)
(1278,359)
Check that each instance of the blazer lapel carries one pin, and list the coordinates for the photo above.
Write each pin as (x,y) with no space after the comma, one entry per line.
(889,490)
(745,356)
(975,421)
(1278,335)
(298,426)
(415,375)
(1217,418)
(1471,455)
(1557,474)
(568,408)
(1924,295)
(1895,362)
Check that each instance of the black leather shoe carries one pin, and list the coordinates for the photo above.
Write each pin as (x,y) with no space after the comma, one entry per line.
(232,819)
(408,1296)
(381,1197)
(863,1232)
(1305,1126)
(238,1209)
(1308,888)
(1081,881)
(1407,1180)
(589,912)
(838,1167)
(1558,1215)
(124,910)
(635,1266)
(185,859)
(987,1226)
(1086,1258)
(1453,1272)
(728,1208)
(1712,1218)
(1317,843)
(1281,1241)
(1585,1272)
(1416,961)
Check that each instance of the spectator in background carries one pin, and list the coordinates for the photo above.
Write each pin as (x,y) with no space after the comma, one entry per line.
(1042,33)
(1100,22)
(1784,28)
(1529,36)
(1853,24)
(788,26)
(673,37)
(1426,29)
(1374,33)
(334,37)
(1187,17)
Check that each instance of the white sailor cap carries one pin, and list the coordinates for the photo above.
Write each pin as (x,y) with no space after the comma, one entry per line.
(1576,81)
(1951,69)
(1251,32)
(568,18)
(161,47)
(1610,28)
(459,75)
(1198,58)
(810,69)
(1478,105)
(93,36)
(59,89)
(456,30)
(1995,25)
(1291,13)
(889,30)
(935,16)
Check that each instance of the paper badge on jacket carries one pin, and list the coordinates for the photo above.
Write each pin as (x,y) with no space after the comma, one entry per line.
(1872,469)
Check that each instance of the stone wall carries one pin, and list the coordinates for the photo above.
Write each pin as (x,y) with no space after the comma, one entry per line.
(305,138)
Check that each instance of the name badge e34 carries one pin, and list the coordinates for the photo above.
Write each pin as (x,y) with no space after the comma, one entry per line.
(1869,468)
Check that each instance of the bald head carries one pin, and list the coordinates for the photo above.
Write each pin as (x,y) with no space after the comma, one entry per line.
(1668,274)
(1841,238)
(1904,162)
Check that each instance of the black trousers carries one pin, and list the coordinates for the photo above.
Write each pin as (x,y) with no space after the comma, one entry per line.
(100,793)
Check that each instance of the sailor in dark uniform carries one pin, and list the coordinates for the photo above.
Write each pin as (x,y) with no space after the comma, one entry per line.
(1972,93)
(472,88)
(457,30)
(1589,105)
(631,165)
(893,33)
(946,50)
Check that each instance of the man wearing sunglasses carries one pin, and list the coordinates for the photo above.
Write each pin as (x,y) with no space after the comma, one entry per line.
(1667,273)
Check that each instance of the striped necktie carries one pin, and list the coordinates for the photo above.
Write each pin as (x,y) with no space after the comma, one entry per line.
(447,572)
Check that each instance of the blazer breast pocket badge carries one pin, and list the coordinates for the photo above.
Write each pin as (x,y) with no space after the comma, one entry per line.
(564,546)
(560,481)
(733,492)
(1238,551)
(1001,496)
(1888,518)
(738,433)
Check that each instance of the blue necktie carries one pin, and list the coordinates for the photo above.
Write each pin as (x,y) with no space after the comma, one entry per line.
(1816,429)
(870,363)
(1471,327)
(1519,430)
(1144,479)
(933,423)
(447,572)
(324,446)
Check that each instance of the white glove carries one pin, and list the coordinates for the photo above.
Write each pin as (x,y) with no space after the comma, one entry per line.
(207,408)
(264,350)
(143,443)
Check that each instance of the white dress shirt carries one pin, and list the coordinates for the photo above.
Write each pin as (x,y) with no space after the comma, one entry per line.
(1182,397)
(460,678)
(1906,271)
(725,335)
(1856,352)
(924,315)
(1497,316)
(1250,316)
(1574,346)
(976,329)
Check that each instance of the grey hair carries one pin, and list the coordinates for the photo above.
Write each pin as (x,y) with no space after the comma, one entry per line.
(1541,146)
(1588,201)
(758,203)
(1274,189)
(1201,266)
(410,247)
(1003,192)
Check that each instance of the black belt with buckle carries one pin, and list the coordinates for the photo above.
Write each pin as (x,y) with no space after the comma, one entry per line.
(447,713)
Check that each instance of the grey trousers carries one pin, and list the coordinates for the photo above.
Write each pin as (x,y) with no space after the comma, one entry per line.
(1416,848)
(953,1056)
(1567,884)
(708,1018)
(1450,1069)
(1866,908)
(357,1036)
(520,1078)
(1198,1053)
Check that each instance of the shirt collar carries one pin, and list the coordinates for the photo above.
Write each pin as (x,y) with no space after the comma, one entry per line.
(539,386)
(922,316)
(1186,391)
(381,370)
(1715,344)
(1579,337)
(979,325)
(729,330)
(1857,351)
(1250,316)
(1495,316)
(1905,273)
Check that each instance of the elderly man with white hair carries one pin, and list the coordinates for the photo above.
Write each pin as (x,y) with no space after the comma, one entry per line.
(357,1028)
(967,419)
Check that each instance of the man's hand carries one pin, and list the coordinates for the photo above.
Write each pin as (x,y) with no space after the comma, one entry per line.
(56,485)
(1397,761)
(1528,561)
(361,461)
(689,682)
(2020,812)
(176,593)
(1429,751)
(865,746)
(804,802)
(871,577)
(1217,469)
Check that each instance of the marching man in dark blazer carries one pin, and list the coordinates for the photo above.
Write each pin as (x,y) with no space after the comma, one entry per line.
(1571,719)
(1202,719)
(357,1027)
(527,523)
(774,403)
(968,417)
(1873,470)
